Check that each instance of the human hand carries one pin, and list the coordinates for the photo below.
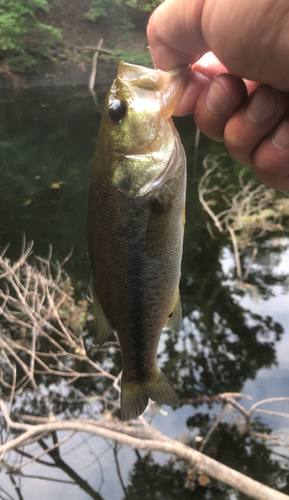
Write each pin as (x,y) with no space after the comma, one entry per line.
(242,43)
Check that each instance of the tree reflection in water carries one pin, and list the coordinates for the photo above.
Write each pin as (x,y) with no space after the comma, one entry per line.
(241,451)
(222,344)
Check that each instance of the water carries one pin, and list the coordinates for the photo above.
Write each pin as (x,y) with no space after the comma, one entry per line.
(232,340)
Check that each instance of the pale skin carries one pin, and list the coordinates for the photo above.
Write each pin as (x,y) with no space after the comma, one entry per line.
(238,90)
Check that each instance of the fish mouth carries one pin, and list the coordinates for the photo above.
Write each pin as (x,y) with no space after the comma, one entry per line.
(167,85)
(143,76)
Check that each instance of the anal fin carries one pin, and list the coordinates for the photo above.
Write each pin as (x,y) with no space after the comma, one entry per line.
(175,320)
(103,328)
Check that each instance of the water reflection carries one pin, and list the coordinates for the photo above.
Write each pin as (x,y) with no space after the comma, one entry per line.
(242,452)
(46,147)
(105,471)
(222,343)
(58,462)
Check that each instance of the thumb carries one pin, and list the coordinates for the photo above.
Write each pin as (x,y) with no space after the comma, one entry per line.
(249,38)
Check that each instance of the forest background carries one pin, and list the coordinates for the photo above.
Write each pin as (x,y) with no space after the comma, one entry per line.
(33,32)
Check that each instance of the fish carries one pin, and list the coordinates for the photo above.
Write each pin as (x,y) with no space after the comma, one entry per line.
(136,215)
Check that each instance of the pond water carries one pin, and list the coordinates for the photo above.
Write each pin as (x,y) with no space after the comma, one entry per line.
(235,338)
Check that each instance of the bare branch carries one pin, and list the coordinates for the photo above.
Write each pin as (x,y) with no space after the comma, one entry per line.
(93,72)
(212,429)
(208,465)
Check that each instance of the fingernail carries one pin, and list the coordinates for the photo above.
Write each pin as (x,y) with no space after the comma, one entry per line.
(217,101)
(262,106)
(281,137)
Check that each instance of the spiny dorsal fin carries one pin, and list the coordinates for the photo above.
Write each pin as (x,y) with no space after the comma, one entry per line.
(174,322)
(103,328)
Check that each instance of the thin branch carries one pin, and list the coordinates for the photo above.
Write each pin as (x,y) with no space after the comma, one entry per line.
(271,412)
(203,201)
(35,458)
(17,488)
(236,252)
(93,71)
(251,212)
(253,256)
(265,401)
(212,429)
(115,451)
(100,49)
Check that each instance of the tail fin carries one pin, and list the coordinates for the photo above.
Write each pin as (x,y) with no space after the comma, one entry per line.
(134,397)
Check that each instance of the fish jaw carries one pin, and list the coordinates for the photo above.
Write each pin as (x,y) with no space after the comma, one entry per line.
(167,86)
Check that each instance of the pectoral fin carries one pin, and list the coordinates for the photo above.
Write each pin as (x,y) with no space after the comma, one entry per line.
(174,322)
(158,229)
(103,328)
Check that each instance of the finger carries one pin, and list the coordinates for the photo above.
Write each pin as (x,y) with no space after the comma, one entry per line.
(253,122)
(175,35)
(204,70)
(210,66)
(218,101)
(250,85)
(253,46)
(270,159)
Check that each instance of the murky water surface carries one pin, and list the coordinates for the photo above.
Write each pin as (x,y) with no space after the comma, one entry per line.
(235,337)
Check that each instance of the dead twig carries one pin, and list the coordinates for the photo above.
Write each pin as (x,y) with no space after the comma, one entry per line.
(93,72)
(251,212)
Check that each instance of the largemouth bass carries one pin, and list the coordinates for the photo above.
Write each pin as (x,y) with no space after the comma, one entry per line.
(135,227)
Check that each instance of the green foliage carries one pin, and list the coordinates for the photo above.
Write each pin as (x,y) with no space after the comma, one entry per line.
(100,8)
(24,40)
(143,5)
(104,7)
(132,56)
(127,19)
(163,482)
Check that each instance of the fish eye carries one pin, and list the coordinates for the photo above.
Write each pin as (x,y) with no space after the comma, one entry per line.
(117,110)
